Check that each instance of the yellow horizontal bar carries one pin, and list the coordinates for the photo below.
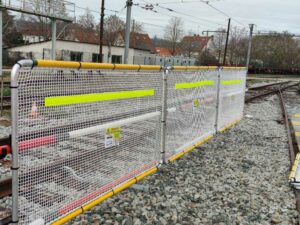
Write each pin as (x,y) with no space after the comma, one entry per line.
(145,174)
(150,67)
(57,64)
(194,84)
(97,201)
(97,97)
(178,68)
(296,123)
(229,126)
(231,82)
(177,156)
(97,66)
(87,65)
(234,68)
(68,217)
(204,140)
(296,115)
(297,134)
(189,149)
(125,186)
(104,197)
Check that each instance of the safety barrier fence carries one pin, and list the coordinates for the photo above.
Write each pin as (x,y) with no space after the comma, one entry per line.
(82,132)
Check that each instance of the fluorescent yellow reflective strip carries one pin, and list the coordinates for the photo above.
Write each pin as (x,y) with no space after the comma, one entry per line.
(296,115)
(230,82)
(98,97)
(194,84)
(296,123)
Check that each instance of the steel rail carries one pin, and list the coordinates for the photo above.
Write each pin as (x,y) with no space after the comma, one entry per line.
(290,141)
(272,92)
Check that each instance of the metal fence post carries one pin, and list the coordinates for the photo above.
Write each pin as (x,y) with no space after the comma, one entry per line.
(218,99)
(164,114)
(14,136)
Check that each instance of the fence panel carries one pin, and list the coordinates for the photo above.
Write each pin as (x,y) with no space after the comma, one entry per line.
(232,96)
(82,133)
(84,129)
(192,102)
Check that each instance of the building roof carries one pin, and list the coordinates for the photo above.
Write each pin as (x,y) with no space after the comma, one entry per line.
(162,51)
(196,41)
(141,41)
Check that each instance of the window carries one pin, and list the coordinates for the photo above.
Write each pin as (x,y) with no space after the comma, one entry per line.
(96,57)
(117,59)
(76,56)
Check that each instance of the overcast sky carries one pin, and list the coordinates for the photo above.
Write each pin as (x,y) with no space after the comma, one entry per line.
(275,15)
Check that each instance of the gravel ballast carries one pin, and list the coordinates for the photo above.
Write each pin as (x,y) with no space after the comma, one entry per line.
(239,177)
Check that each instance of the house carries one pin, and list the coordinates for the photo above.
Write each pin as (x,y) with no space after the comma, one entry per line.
(192,46)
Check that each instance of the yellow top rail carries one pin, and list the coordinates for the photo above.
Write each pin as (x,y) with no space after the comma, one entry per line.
(87,65)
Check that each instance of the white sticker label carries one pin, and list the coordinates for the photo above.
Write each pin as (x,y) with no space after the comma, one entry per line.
(112,137)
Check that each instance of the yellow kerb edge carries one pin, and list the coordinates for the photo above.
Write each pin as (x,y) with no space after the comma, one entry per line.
(194,84)
(97,97)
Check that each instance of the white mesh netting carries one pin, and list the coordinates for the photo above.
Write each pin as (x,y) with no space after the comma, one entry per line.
(191,108)
(88,147)
(83,132)
(232,96)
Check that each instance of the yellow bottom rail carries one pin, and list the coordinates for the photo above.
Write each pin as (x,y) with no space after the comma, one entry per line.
(131,182)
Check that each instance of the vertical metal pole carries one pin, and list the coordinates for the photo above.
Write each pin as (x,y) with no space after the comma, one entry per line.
(249,46)
(53,50)
(101,32)
(227,38)
(218,99)
(129,4)
(164,115)
(15,163)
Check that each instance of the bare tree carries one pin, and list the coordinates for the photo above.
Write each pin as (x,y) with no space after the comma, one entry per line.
(137,27)
(219,43)
(87,20)
(113,26)
(174,32)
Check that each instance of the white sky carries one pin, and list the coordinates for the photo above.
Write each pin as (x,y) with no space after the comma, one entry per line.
(275,15)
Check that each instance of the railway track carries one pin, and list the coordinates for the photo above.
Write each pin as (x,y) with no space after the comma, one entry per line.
(259,92)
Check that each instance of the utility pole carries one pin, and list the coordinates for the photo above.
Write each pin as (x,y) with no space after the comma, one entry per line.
(227,38)
(129,4)
(249,46)
(101,32)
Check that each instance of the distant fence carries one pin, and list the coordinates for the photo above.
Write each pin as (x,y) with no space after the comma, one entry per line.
(83,132)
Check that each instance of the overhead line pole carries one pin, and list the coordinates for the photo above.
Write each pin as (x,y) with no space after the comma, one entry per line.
(101,32)
(129,4)
(227,38)
(249,46)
